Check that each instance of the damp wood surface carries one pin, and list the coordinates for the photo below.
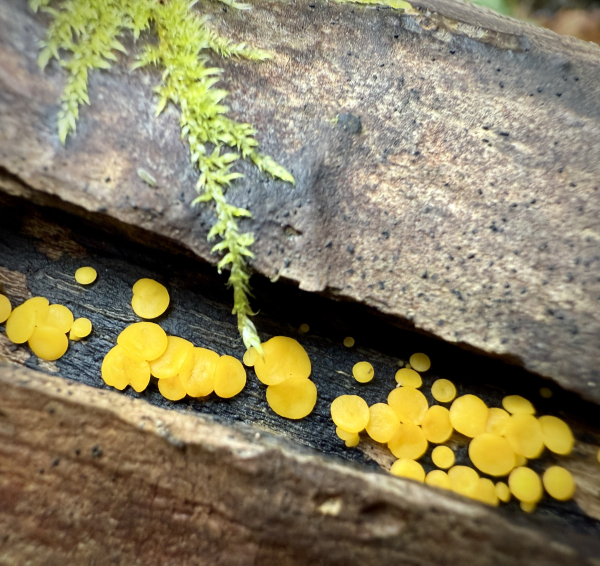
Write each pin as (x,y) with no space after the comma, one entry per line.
(447,164)
(295,471)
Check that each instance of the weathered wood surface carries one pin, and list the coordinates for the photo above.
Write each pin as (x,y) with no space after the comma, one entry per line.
(467,207)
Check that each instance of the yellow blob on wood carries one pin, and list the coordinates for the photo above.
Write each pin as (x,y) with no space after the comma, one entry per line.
(436,424)
(408,442)
(485,491)
(348,341)
(492,454)
(420,362)
(112,370)
(527,507)
(304,328)
(525,485)
(230,377)
(145,340)
(502,491)
(20,324)
(497,422)
(80,328)
(443,390)
(345,435)
(137,372)
(546,392)
(48,343)
(437,478)
(171,388)
(250,356)
(169,363)
(559,483)
(294,398)
(524,433)
(409,378)
(407,468)
(197,373)
(5,308)
(469,415)
(463,480)
(443,457)
(350,412)
(557,435)
(383,422)
(515,404)
(85,275)
(363,372)
(283,358)
(58,316)
(40,307)
(409,403)
(150,298)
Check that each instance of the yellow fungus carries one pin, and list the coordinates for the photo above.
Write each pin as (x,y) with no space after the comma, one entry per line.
(463,480)
(230,377)
(492,454)
(383,422)
(353,442)
(409,403)
(171,388)
(150,298)
(485,491)
(250,356)
(80,328)
(524,434)
(527,507)
(443,457)
(137,372)
(112,370)
(59,317)
(407,468)
(283,358)
(520,460)
(345,435)
(304,328)
(48,343)
(348,341)
(363,372)
(436,424)
(443,390)
(557,435)
(502,491)
(408,442)
(40,307)
(437,478)
(145,340)
(546,392)
(559,483)
(20,324)
(420,362)
(169,363)
(293,398)
(409,377)
(350,412)
(197,372)
(5,308)
(469,415)
(525,485)
(85,275)
(516,405)
(497,421)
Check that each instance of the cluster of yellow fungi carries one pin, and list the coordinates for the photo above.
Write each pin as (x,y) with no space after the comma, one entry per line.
(502,439)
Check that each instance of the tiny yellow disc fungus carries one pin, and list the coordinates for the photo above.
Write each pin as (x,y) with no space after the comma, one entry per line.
(197,373)
(350,412)
(112,370)
(383,422)
(469,415)
(250,356)
(443,390)
(304,328)
(145,340)
(492,454)
(525,435)
(436,424)
(443,457)
(497,421)
(515,404)
(230,377)
(546,392)
(363,372)
(407,468)
(283,358)
(557,435)
(485,491)
(85,275)
(502,491)
(345,435)
(527,507)
(463,480)
(408,377)
(5,308)
(420,362)
(40,307)
(170,362)
(353,442)
(525,485)
(20,324)
(80,328)
(137,372)
(559,483)
(48,343)
(150,298)
(171,388)
(58,316)
(409,403)
(437,478)
(408,442)
(348,341)
(293,398)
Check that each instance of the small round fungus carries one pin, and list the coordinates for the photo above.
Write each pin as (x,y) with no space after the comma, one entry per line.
(5,308)
(436,424)
(293,398)
(559,483)
(485,491)
(557,435)
(230,377)
(197,373)
(304,328)
(283,358)
(463,480)
(443,457)
(345,435)
(137,372)
(409,378)
(48,343)
(492,454)
(171,388)
(497,421)
(503,492)
(20,324)
(409,403)
(516,405)
(408,442)
(524,434)
(443,390)
(525,485)
(350,412)
(145,340)
(420,362)
(150,298)
(437,478)
(407,468)
(169,363)
(469,415)
(59,317)
(85,275)
(250,356)
(546,392)
(527,507)
(80,328)
(363,372)
(348,341)
(40,307)
(112,370)
(383,422)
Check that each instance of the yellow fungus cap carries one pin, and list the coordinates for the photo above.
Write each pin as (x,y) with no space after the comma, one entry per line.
(408,442)
(485,491)
(250,356)
(5,308)
(559,483)
(348,341)
(283,358)
(112,370)
(383,422)
(85,275)
(294,398)
(524,434)
(363,372)
(502,491)
(230,377)
(492,454)
(350,412)
(20,324)
(443,390)
(527,507)
(150,298)
(409,403)
(80,328)
(420,362)
(197,372)
(436,424)
(145,340)
(437,478)
(171,388)
(443,457)
(557,435)
(304,328)
(497,421)
(546,392)
(469,415)
(59,317)
(525,485)
(463,480)
(515,404)
(169,363)
(48,343)
(408,377)
(137,372)
(407,468)
(344,434)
